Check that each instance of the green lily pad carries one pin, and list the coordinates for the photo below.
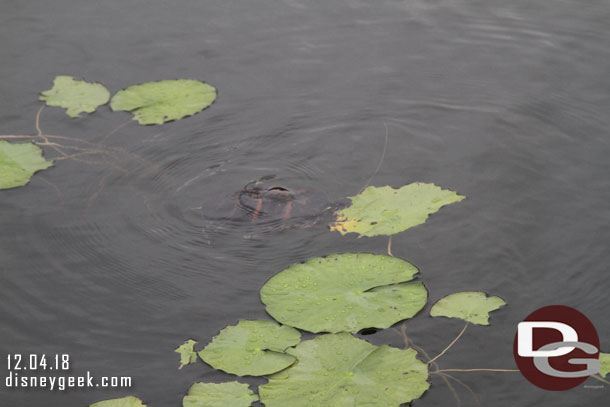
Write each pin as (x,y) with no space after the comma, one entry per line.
(471,306)
(187,353)
(230,394)
(338,370)
(387,211)
(604,361)
(344,293)
(164,101)
(74,95)
(18,162)
(251,348)
(122,402)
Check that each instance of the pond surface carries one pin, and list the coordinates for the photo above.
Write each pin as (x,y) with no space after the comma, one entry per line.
(111,261)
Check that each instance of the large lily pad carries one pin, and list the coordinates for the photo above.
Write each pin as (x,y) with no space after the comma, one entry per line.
(344,292)
(386,211)
(18,162)
(231,394)
(604,361)
(74,95)
(164,101)
(338,370)
(471,306)
(187,353)
(251,348)
(129,401)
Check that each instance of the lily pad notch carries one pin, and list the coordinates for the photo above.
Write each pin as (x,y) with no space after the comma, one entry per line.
(470,306)
(251,348)
(337,370)
(163,101)
(345,293)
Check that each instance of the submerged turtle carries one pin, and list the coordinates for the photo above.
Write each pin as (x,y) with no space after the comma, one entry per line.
(271,205)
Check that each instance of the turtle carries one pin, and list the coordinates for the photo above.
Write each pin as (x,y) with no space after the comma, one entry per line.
(271,205)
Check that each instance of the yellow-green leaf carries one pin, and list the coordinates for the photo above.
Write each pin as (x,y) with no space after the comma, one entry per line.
(187,353)
(604,361)
(338,370)
(18,162)
(229,394)
(344,293)
(251,348)
(164,101)
(74,95)
(471,306)
(129,401)
(387,211)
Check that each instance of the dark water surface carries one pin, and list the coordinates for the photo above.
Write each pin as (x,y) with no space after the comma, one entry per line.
(505,102)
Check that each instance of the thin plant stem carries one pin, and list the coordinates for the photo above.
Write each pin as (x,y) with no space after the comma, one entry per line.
(464,385)
(385,146)
(113,131)
(13,136)
(55,187)
(96,194)
(451,344)
(42,136)
(458,402)
(601,379)
(409,343)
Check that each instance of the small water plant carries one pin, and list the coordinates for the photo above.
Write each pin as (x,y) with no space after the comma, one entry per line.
(337,296)
(21,156)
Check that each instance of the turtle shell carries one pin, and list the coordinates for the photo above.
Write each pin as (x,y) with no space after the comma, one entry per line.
(271,205)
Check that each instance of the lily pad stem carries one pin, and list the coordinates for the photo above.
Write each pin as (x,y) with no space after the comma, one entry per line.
(461,383)
(601,379)
(385,146)
(450,345)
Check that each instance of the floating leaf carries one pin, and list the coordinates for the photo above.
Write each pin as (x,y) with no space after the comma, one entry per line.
(386,211)
(122,402)
(471,306)
(75,96)
(231,394)
(253,348)
(187,353)
(344,292)
(164,101)
(604,360)
(338,370)
(18,162)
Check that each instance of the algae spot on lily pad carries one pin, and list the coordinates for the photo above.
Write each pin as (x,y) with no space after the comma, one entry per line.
(164,101)
(471,306)
(187,353)
(344,293)
(251,348)
(338,370)
(230,394)
(604,361)
(129,401)
(387,211)
(18,162)
(74,95)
